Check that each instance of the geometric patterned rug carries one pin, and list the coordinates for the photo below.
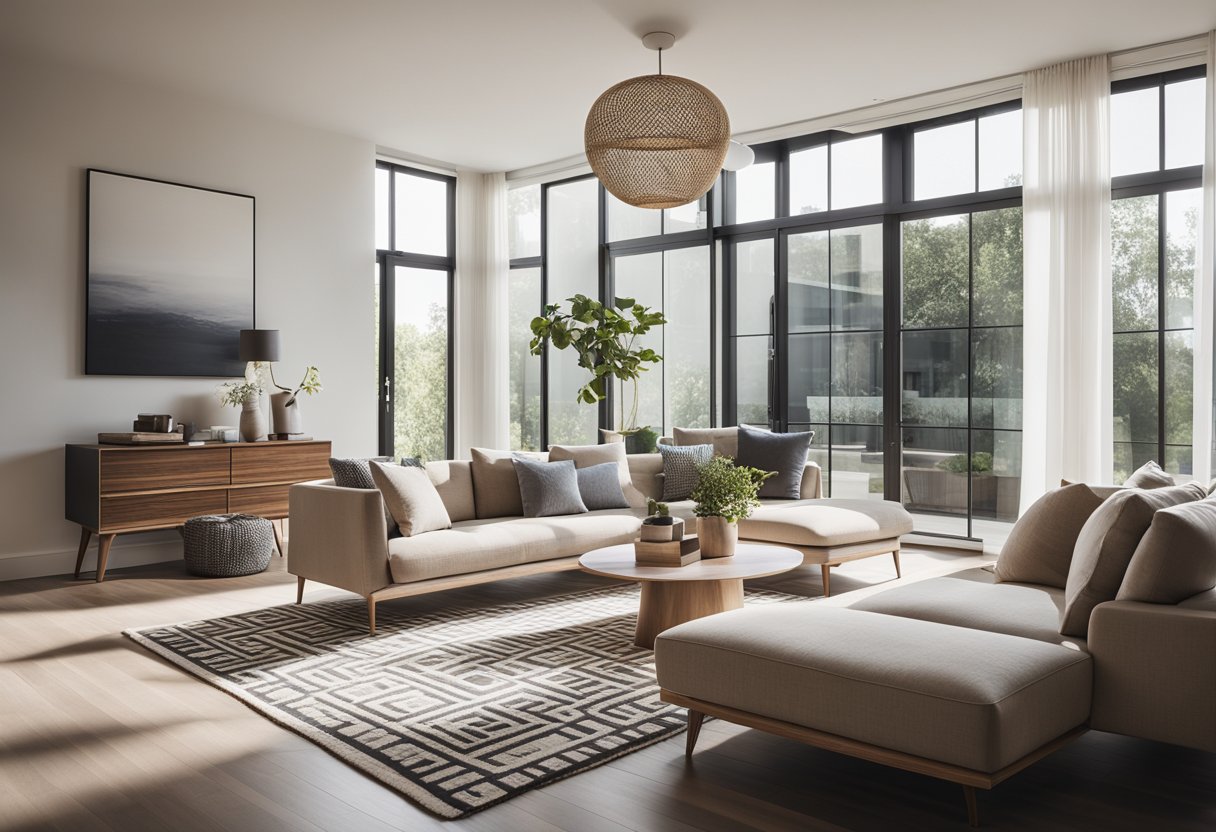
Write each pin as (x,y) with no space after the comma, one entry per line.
(457,710)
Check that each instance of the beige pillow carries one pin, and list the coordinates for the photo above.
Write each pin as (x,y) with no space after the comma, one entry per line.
(724,440)
(584,456)
(1176,557)
(1149,475)
(1105,547)
(411,498)
(495,485)
(1040,545)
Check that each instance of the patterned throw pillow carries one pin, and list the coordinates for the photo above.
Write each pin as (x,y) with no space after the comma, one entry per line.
(682,469)
(357,473)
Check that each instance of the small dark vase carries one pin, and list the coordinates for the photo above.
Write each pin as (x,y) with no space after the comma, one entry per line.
(660,520)
(641,441)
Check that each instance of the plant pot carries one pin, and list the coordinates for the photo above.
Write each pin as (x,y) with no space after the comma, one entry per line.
(641,441)
(717,536)
(286,419)
(660,520)
(253,420)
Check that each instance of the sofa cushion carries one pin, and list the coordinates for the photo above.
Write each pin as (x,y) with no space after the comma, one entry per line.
(477,545)
(972,598)
(725,441)
(961,696)
(1040,544)
(411,498)
(495,486)
(682,469)
(823,523)
(1149,475)
(587,455)
(782,454)
(1176,558)
(548,489)
(453,479)
(1105,547)
(600,487)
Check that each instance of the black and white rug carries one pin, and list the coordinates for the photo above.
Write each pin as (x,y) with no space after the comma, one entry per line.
(458,710)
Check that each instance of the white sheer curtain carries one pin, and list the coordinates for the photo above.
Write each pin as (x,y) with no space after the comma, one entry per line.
(1066,426)
(1205,287)
(482,263)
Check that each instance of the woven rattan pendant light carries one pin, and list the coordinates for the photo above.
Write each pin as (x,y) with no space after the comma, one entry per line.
(657,141)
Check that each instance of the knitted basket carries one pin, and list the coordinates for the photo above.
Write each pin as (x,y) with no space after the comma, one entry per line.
(227,545)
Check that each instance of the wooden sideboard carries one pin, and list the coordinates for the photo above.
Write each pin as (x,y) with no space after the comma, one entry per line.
(117,489)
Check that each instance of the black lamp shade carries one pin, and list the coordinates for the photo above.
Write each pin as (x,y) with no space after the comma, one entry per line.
(259,345)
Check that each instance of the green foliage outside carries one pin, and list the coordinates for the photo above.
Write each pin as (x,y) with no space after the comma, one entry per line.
(981,463)
(727,490)
(420,385)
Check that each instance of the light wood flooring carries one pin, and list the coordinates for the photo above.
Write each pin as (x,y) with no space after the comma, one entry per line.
(97,733)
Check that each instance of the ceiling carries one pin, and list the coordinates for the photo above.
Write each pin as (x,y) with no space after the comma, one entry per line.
(505,84)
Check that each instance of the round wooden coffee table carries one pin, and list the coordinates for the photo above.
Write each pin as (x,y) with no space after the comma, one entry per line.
(672,595)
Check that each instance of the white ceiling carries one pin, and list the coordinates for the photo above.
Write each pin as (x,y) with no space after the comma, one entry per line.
(505,84)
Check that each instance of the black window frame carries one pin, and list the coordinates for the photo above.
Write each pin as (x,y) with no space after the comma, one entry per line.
(391,257)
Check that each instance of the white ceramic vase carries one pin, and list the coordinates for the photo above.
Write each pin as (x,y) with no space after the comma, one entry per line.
(253,420)
(717,537)
(286,419)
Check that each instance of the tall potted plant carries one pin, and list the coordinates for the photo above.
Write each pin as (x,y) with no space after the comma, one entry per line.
(725,494)
(605,338)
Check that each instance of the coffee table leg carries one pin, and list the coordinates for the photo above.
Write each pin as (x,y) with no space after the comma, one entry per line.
(668,603)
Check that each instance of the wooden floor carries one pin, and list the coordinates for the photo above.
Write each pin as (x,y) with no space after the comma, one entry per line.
(96,733)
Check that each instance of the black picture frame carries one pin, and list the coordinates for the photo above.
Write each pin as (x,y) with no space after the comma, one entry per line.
(169,274)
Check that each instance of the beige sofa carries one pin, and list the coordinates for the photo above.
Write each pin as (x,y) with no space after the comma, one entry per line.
(339,535)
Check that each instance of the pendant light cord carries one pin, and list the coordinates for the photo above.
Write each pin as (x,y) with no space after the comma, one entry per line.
(660,62)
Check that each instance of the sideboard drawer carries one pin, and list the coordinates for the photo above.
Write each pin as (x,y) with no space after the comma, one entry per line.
(149,470)
(280,462)
(267,501)
(138,510)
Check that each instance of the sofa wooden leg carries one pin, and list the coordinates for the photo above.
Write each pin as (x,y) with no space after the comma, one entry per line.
(371,615)
(895,555)
(299,589)
(973,812)
(695,718)
(826,570)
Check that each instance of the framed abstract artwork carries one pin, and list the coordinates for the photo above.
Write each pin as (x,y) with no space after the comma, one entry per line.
(170,277)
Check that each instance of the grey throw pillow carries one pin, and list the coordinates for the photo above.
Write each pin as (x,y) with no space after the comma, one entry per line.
(357,473)
(1149,475)
(782,453)
(548,489)
(1176,558)
(411,498)
(600,486)
(682,469)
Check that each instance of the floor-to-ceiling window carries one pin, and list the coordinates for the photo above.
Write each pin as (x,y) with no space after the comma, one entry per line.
(415,237)
(525,297)
(1157,148)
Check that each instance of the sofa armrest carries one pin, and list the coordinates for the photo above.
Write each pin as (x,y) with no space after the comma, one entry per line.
(338,537)
(1155,672)
(812,482)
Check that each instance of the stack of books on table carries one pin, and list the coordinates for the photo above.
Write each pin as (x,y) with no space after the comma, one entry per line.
(666,546)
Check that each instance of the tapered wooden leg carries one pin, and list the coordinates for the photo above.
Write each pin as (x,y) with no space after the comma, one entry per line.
(895,555)
(825,569)
(277,525)
(973,811)
(85,536)
(103,554)
(299,589)
(695,718)
(371,615)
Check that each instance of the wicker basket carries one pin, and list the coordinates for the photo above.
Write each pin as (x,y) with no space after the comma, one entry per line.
(227,545)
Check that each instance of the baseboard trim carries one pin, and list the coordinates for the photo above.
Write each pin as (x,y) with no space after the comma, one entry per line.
(128,550)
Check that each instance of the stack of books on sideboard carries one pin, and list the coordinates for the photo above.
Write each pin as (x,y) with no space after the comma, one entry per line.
(666,546)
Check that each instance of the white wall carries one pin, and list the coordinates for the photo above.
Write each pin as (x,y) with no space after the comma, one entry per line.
(315,249)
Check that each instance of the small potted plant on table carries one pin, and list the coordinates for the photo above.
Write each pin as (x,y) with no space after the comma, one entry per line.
(725,494)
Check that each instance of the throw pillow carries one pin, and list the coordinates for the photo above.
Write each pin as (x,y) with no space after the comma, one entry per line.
(1105,547)
(782,453)
(411,498)
(495,485)
(1176,557)
(724,440)
(1149,475)
(584,456)
(1040,544)
(600,486)
(357,473)
(682,469)
(548,488)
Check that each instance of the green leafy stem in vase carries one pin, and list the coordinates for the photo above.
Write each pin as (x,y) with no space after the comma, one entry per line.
(604,338)
(310,384)
(728,490)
